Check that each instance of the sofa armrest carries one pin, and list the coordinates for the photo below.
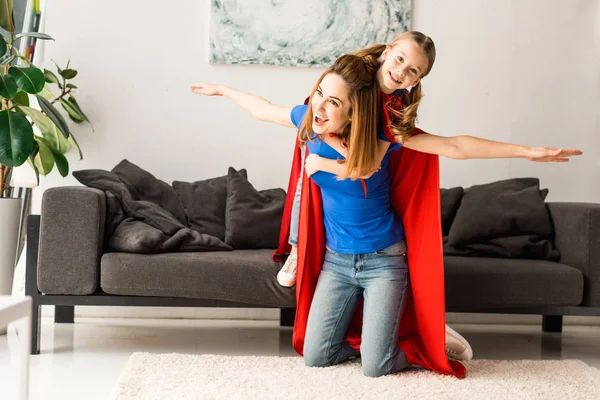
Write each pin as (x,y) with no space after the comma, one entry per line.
(71,240)
(577,238)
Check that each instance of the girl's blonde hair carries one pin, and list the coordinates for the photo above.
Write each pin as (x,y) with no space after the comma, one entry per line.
(403,121)
(359,74)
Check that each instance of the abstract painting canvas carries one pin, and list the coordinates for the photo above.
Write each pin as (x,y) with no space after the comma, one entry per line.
(300,32)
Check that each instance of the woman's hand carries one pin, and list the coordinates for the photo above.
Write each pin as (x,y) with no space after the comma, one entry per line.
(207,89)
(312,164)
(550,154)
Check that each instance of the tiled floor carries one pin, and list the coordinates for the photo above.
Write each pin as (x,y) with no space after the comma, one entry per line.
(84,360)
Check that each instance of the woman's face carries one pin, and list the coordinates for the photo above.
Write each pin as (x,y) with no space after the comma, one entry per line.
(330,105)
(403,65)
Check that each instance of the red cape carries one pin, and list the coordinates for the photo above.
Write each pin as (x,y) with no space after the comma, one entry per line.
(415,196)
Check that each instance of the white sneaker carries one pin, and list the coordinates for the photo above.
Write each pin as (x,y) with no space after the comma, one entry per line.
(457,346)
(287,274)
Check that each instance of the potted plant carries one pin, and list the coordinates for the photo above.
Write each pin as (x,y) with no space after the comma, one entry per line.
(36,132)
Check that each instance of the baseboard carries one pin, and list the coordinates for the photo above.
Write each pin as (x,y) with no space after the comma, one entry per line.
(273,314)
(172,312)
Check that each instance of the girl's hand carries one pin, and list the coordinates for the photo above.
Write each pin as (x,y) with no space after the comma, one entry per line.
(207,89)
(312,164)
(550,154)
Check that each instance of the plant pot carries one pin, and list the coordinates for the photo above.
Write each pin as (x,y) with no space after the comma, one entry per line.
(10,216)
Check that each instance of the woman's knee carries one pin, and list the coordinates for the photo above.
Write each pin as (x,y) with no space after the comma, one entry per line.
(374,370)
(315,359)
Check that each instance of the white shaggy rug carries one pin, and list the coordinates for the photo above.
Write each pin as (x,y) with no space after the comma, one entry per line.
(180,376)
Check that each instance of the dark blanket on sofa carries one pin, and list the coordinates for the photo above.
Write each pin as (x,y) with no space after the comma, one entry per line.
(144,215)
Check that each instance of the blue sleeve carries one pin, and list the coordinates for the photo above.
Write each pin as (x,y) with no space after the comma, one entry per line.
(297,114)
(380,135)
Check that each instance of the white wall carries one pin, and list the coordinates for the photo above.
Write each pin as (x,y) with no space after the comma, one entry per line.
(526,71)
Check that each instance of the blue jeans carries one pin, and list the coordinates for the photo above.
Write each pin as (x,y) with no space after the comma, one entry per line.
(382,279)
(293,240)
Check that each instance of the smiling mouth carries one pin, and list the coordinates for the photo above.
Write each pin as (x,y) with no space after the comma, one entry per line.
(394,79)
(320,121)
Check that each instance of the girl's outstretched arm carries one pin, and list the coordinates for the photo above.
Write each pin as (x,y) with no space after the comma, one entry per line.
(258,107)
(466,147)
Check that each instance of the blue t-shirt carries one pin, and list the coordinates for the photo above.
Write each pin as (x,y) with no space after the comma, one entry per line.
(355,224)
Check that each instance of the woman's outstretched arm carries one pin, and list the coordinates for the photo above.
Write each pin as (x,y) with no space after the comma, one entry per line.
(258,107)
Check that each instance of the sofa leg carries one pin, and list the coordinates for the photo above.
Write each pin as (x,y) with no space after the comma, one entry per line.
(287,316)
(31,289)
(64,314)
(36,328)
(552,323)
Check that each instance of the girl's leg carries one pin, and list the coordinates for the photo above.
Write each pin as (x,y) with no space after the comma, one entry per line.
(295,219)
(287,275)
(385,278)
(333,304)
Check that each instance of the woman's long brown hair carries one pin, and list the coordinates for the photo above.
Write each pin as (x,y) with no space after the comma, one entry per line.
(359,74)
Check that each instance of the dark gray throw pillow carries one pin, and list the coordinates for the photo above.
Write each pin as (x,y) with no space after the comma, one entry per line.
(450,201)
(512,207)
(252,217)
(204,204)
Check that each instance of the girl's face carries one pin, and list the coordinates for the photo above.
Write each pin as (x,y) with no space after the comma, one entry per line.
(403,65)
(330,105)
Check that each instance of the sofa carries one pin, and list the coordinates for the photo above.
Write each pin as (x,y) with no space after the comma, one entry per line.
(69,262)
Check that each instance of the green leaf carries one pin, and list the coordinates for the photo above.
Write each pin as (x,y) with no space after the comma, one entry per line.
(61,162)
(50,77)
(59,159)
(39,118)
(68,73)
(74,143)
(3,46)
(7,59)
(54,115)
(21,98)
(73,110)
(7,20)
(31,161)
(8,87)
(71,86)
(36,35)
(57,67)
(57,139)
(16,138)
(46,93)
(29,79)
(44,161)
(48,129)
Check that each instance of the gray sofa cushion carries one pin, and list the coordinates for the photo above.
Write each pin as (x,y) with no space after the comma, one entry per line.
(243,276)
(204,203)
(474,282)
(252,217)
